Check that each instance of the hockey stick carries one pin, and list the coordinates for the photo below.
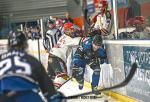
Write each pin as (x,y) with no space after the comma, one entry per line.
(39,49)
(125,82)
(65,82)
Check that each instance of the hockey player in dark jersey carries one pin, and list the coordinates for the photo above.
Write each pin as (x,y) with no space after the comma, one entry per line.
(89,53)
(22,75)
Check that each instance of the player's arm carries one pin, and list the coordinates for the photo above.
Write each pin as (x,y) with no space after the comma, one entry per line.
(101,53)
(107,25)
(47,86)
(45,82)
(40,75)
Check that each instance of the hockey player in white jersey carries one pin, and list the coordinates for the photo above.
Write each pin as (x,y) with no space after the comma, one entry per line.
(60,55)
(65,43)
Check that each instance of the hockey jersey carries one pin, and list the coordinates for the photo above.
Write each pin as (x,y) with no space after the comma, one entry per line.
(18,63)
(85,52)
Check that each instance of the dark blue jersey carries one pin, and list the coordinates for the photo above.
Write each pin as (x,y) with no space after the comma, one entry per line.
(85,51)
(16,62)
(85,55)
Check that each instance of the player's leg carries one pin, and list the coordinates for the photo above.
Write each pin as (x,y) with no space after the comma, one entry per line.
(78,71)
(95,76)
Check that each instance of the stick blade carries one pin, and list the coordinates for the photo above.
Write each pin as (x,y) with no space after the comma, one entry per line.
(131,73)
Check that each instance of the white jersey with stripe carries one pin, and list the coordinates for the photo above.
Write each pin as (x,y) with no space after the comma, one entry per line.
(103,22)
(66,40)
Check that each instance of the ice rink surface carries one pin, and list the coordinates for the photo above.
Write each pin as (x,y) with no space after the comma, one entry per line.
(71,88)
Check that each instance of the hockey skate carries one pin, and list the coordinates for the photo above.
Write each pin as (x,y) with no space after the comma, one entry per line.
(81,86)
(95,90)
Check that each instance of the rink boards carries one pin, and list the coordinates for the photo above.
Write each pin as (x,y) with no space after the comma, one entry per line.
(115,60)
(121,54)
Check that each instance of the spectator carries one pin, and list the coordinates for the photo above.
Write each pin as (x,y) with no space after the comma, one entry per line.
(102,20)
(36,33)
(29,35)
(133,9)
(68,18)
(140,32)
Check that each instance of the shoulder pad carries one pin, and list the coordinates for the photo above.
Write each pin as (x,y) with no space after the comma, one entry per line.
(87,44)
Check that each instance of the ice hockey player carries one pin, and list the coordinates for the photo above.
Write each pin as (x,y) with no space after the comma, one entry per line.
(22,76)
(65,42)
(69,33)
(89,53)
(67,37)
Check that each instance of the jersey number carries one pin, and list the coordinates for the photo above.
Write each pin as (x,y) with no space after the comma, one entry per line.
(22,67)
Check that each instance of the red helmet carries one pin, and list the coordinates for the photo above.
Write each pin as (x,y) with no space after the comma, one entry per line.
(68,26)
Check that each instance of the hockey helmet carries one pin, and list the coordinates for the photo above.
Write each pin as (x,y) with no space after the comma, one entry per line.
(68,26)
(17,40)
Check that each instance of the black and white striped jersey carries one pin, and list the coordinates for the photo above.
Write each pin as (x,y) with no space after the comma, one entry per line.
(51,38)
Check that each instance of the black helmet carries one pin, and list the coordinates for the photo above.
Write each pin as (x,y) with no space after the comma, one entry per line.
(97,40)
(17,40)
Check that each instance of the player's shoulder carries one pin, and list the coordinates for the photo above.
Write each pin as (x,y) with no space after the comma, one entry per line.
(11,53)
(31,58)
(86,40)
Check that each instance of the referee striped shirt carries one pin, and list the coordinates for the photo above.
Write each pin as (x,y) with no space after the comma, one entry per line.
(52,36)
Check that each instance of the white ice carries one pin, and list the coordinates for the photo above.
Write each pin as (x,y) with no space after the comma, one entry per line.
(71,88)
